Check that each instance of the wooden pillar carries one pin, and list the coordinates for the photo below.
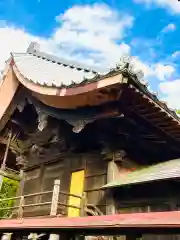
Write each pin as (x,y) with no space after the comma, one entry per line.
(83,204)
(55,198)
(21,161)
(21,207)
(112,175)
(54,205)
(3,166)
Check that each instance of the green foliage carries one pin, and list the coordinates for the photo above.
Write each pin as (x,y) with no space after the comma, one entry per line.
(178,111)
(8,189)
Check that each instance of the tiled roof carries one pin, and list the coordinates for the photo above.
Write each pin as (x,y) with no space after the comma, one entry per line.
(161,171)
(46,70)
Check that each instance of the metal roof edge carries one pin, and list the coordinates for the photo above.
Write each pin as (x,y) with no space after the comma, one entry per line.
(114,183)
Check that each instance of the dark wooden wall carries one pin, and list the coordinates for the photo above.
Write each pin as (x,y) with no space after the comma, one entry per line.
(150,197)
(41,177)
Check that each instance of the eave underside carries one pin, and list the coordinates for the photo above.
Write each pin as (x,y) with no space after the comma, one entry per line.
(140,117)
(141,139)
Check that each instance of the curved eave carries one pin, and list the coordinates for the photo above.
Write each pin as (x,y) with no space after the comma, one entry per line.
(69,91)
(77,95)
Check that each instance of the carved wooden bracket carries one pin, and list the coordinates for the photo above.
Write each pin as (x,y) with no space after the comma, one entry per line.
(20,106)
(35,149)
(42,120)
(21,161)
(79,125)
(119,155)
(116,156)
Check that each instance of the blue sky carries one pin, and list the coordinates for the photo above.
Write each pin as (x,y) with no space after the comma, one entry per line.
(98,33)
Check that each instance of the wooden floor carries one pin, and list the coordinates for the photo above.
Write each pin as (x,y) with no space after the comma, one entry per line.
(136,223)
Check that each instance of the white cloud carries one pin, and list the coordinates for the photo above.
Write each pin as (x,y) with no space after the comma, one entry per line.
(88,33)
(85,33)
(158,70)
(17,40)
(163,71)
(144,67)
(169,28)
(171,91)
(176,54)
(171,5)
(95,28)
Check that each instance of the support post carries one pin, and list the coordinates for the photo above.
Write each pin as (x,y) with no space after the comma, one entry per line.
(21,187)
(83,205)
(20,210)
(112,173)
(6,151)
(22,163)
(54,205)
(3,165)
(55,198)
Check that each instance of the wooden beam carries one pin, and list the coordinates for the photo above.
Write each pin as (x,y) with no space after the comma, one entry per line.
(151,114)
(137,97)
(173,142)
(126,106)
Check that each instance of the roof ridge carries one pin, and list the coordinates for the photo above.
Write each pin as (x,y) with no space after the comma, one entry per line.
(63,61)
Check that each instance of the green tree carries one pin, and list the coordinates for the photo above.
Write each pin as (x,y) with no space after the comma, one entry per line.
(8,189)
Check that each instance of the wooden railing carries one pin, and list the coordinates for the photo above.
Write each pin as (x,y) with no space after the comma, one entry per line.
(11,171)
(18,209)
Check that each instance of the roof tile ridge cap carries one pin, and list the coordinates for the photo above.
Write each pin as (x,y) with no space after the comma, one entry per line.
(44,55)
(23,53)
(18,54)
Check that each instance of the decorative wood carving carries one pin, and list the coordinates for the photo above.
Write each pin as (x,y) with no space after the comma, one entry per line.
(42,120)
(79,125)
(21,105)
(21,161)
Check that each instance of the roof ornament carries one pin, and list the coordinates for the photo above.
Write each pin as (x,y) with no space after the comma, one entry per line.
(124,62)
(128,63)
(33,47)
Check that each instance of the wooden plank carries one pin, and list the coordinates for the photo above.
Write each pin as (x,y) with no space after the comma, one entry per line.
(152,220)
